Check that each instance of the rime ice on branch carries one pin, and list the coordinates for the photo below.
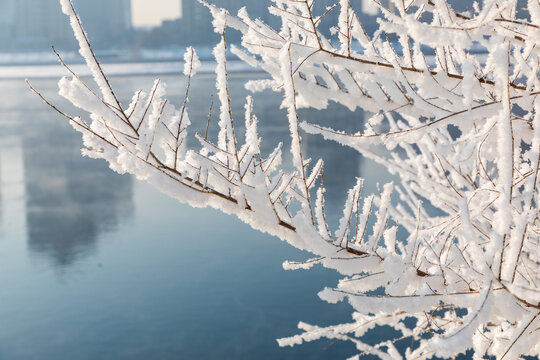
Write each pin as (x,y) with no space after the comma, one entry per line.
(461,129)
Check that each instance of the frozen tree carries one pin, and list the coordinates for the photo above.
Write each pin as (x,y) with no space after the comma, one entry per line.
(455,113)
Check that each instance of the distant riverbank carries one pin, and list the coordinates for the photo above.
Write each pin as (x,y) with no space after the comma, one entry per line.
(107,56)
(115,69)
(115,63)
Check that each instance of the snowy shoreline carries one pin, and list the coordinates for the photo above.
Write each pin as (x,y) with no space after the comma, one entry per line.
(8,72)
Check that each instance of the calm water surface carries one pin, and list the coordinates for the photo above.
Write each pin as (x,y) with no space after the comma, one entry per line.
(96,265)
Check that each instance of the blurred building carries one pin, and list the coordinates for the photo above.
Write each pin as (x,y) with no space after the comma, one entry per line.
(70,201)
(107,22)
(31,25)
(6,20)
(196,21)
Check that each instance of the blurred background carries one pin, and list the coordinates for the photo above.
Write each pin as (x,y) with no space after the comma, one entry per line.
(123,30)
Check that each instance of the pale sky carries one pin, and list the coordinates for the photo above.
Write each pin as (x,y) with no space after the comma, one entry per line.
(153,12)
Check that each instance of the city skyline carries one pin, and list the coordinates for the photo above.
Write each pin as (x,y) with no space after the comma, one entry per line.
(35,25)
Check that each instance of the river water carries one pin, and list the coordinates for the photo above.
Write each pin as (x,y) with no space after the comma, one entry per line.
(96,265)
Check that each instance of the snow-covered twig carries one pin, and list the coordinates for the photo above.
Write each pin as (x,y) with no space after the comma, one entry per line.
(458,248)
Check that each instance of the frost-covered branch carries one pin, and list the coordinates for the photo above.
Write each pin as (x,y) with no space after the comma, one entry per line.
(455,113)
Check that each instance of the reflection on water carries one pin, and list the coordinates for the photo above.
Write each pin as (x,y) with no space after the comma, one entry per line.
(69,202)
(143,276)
(341,164)
(11,185)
